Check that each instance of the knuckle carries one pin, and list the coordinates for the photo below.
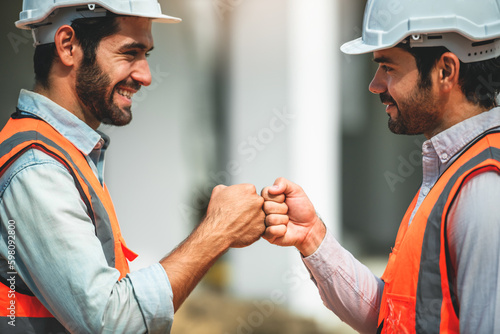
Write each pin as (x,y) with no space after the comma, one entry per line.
(274,220)
(261,216)
(284,208)
(267,206)
(218,188)
(260,201)
(250,188)
(280,198)
(271,220)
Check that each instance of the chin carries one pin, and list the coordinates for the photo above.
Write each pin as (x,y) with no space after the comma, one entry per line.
(118,117)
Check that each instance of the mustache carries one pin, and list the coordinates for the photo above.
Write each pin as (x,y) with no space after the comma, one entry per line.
(132,84)
(386,98)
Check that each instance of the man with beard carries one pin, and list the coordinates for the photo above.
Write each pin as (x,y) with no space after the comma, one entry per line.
(438,75)
(64,264)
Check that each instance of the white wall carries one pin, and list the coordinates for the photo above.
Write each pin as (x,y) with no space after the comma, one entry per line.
(284,112)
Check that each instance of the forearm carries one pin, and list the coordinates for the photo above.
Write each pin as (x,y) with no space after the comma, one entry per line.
(188,263)
(346,286)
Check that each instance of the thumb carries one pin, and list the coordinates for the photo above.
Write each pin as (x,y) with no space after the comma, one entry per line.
(281,186)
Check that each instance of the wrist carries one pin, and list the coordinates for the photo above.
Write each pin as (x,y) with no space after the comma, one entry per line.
(209,231)
(313,239)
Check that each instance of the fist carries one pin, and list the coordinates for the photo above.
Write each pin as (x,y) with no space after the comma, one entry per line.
(291,219)
(236,212)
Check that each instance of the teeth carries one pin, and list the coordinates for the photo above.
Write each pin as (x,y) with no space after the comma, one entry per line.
(126,93)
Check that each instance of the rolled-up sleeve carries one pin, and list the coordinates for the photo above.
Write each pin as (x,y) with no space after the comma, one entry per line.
(154,293)
(60,259)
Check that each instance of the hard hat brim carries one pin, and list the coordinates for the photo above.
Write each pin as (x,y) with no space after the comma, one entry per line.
(25,24)
(163,19)
(358,46)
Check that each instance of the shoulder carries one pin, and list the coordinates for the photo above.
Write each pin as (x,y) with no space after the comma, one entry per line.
(477,198)
(474,217)
(31,163)
(479,189)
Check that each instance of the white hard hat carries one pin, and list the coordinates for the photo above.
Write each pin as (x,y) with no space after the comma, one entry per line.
(44,17)
(470,29)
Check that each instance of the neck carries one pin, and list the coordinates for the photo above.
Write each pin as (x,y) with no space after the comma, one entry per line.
(65,96)
(455,112)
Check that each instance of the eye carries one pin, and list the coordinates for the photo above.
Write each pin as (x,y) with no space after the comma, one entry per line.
(386,68)
(136,54)
(131,53)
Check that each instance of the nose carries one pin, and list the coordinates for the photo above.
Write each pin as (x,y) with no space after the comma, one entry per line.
(142,73)
(379,83)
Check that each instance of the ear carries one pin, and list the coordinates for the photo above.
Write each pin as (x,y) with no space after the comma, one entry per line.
(65,41)
(448,71)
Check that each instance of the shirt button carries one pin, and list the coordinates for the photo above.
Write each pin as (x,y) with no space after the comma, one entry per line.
(444,156)
(99,144)
(425,191)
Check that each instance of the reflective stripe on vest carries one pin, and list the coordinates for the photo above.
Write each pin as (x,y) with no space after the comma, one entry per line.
(18,136)
(419,294)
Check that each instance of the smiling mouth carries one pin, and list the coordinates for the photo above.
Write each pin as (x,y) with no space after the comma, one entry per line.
(126,93)
(387,100)
(389,109)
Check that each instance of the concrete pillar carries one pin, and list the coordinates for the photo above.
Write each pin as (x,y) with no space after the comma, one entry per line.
(314,98)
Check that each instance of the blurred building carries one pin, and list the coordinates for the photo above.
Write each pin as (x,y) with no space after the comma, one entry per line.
(247,91)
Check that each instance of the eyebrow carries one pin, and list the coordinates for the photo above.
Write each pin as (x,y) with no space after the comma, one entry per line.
(383,59)
(136,45)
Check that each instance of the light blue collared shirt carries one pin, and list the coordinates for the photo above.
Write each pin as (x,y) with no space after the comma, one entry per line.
(57,254)
(354,293)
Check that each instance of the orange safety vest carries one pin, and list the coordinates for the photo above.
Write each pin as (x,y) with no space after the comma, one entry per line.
(419,293)
(19,135)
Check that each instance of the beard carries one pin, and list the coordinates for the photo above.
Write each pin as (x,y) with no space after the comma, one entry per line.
(92,85)
(416,114)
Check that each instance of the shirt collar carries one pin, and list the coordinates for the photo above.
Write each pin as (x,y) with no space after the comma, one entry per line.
(453,140)
(71,127)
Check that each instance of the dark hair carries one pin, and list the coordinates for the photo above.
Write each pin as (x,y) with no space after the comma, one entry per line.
(89,32)
(479,81)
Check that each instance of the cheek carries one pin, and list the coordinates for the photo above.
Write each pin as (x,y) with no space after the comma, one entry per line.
(120,74)
(117,70)
(401,89)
